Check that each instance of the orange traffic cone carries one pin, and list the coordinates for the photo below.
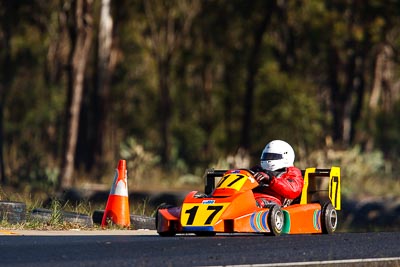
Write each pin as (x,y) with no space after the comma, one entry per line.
(117,208)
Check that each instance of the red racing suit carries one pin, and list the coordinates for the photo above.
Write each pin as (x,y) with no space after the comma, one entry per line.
(284,186)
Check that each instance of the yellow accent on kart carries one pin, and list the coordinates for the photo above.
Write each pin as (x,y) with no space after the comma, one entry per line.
(318,187)
(199,214)
(304,193)
(232,181)
(334,187)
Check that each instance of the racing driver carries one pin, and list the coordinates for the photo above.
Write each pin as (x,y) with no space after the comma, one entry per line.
(280,182)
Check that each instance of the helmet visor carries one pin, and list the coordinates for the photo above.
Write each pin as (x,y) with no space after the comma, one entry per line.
(271,156)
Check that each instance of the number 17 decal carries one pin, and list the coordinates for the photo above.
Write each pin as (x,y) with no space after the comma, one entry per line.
(199,214)
(234,181)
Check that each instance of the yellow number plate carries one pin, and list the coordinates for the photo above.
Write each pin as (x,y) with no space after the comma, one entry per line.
(199,214)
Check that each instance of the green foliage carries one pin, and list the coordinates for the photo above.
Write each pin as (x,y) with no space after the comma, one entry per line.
(189,143)
(56,213)
(306,57)
(286,108)
(139,161)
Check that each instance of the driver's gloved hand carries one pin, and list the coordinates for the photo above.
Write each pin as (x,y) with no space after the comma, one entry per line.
(262,178)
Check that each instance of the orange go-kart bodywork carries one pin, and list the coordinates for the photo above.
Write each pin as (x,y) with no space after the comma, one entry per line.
(229,206)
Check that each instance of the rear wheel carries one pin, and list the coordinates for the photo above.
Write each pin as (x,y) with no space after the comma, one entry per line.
(275,220)
(329,218)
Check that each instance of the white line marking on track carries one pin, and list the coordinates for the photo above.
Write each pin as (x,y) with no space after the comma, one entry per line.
(308,263)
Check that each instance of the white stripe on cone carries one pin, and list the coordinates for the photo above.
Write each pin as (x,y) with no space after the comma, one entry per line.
(120,186)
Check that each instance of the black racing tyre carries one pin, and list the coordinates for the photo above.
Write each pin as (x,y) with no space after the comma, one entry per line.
(170,232)
(78,218)
(167,234)
(46,215)
(142,222)
(172,227)
(329,218)
(12,212)
(97,216)
(275,220)
(205,233)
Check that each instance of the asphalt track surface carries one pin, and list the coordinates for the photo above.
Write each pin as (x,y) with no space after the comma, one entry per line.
(145,248)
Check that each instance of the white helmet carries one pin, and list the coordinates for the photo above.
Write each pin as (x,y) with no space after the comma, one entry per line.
(276,155)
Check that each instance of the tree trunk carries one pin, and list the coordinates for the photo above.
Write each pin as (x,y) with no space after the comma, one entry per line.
(382,74)
(286,53)
(344,104)
(252,69)
(382,79)
(105,69)
(5,75)
(335,95)
(167,31)
(347,81)
(2,171)
(347,93)
(82,20)
(165,108)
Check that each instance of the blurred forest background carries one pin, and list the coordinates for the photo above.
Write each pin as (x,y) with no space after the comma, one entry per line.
(178,86)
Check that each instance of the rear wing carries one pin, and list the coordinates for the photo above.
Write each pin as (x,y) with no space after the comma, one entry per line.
(321,185)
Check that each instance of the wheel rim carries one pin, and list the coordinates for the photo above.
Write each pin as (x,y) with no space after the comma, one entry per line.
(333,218)
(279,220)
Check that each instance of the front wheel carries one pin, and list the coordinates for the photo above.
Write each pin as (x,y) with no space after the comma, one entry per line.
(171,231)
(205,233)
(275,220)
(329,218)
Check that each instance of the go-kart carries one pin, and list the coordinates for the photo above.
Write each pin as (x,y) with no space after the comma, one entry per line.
(228,205)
